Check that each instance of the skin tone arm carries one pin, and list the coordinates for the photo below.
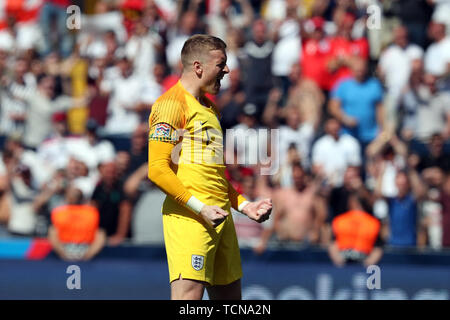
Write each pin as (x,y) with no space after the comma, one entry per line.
(446,133)
(49,190)
(271,109)
(96,245)
(131,185)
(123,224)
(380,116)
(320,215)
(247,10)
(334,107)
(382,140)
(374,256)
(335,255)
(418,188)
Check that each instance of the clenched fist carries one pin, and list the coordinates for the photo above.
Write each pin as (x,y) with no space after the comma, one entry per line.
(213,215)
(258,210)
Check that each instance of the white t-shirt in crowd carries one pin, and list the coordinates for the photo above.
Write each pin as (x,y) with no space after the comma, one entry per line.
(334,156)
(23,218)
(142,51)
(395,63)
(437,57)
(173,50)
(125,93)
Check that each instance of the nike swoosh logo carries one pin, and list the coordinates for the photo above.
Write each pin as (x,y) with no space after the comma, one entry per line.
(202,123)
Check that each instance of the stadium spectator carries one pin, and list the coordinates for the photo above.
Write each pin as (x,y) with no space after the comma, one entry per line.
(436,156)
(445,203)
(283,177)
(338,197)
(357,236)
(247,138)
(138,149)
(232,100)
(114,207)
(357,104)
(124,104)
(41,106)
(297,132)
(415,16)
(306,96)
(315,53)
(288,46)
(226,17)
(437,56)
(143,48)
(186,26)
(250,233)
(386,156)
(256,65)
(52,196)
(424,104)
(345,51)
(101,148)
(394,67)
(75,234)
(14,110)
(23,201)
(334,152)
(431,219)
(402,209)
(299,211)
(53,16)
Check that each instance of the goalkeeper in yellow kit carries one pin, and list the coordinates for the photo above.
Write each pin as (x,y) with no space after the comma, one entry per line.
(186,162)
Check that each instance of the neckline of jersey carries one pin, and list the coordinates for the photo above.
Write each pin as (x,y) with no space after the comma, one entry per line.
(190,94)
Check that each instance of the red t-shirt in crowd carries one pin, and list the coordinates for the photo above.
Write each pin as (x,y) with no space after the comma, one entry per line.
(315,54)
(24,11)
(346,47)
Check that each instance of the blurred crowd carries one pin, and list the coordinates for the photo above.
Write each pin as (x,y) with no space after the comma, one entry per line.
(358,92)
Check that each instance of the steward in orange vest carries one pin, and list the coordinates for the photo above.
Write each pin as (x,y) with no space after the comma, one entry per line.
(356,233)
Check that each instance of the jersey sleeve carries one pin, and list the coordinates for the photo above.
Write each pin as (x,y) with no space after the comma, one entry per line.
(167,117)
(161,174)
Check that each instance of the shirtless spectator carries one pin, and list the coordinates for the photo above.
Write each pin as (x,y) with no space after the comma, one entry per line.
(299,211)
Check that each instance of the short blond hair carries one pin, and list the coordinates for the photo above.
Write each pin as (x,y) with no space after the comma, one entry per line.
(196,46)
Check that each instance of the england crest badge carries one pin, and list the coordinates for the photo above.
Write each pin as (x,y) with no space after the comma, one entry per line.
(197,262)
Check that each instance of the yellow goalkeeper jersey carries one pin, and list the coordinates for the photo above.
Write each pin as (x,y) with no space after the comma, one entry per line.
(197,158)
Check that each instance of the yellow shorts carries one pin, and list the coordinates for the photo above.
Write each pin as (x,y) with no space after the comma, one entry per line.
(200,252)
